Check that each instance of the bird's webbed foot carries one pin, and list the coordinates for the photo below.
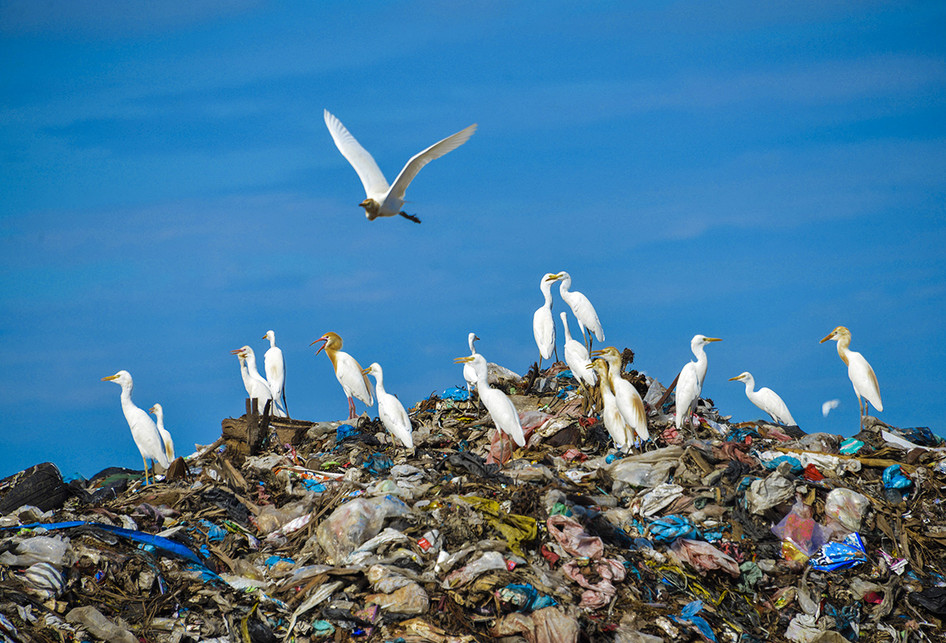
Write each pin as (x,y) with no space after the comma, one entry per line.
(410,217)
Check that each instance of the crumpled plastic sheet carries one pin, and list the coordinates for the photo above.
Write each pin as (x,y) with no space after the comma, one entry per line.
(670,528)
(524,597)
(768,492)
(840,555)
(846,507)
(547,625)
(689,616)
(894,479)
(355,522)
(704,557)
(515,528)
(800,530)
(489,560)
(573,538)
(597,595)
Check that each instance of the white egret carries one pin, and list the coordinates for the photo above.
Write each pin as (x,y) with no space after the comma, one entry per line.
(829,406)
(383,200)
(628,400)
(256,386)
(390,410)
(543,326)
(583,310)
(766,399)
(613,420)
(576,356)
(165,434)
(348,371)
(690,381)
(469,372)
(143,429)
(500,408)
(859,371)
(274,365)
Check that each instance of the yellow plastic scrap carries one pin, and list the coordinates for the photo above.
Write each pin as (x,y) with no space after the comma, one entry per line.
(514,527)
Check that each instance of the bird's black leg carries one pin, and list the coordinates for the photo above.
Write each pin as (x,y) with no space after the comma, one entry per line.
(411,217)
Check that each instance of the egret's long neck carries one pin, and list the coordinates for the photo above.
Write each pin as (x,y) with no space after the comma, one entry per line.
(159,419)
(566,284)
(614,365)
(701,362)
(332,355)
(272,341)
(843,343)
(568,334)
(126,396)
(251,363)
(750,386)
(472,349)
(547,292)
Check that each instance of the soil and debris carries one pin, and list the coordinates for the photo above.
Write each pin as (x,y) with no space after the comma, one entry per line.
(287,530)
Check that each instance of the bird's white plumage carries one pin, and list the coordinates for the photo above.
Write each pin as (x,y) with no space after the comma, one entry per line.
(390,410)
(858,371)
(389,199)
(628,400)
(581,307)
(158,411)
(829,406)
(543,325)
(611,416)
(690,382)
(348,371)
(576,356)
(766,399)
(500,408)
(469,371)
(274,365)
(256,386)
(143,429)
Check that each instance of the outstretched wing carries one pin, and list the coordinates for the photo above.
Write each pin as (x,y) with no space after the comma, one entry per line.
(418,161)
(364,164)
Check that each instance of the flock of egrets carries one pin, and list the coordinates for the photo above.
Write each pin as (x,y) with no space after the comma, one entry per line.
(621,408)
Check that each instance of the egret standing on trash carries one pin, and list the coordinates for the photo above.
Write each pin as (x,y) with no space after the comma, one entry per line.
(348,371)
(390,410)
(274,365)
(690,381)
(383,200)
(766,399)
(165,434)
(500,408)
(469,373)
(256,387)
(613,420)
(628,400)
(576,356)
(859,371)
(143,429)
(543,325)
(583,310)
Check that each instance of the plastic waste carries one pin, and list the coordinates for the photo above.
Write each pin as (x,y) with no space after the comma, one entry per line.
(669,528)
(99,626)
(54,550)
(840,555)
(800,534)
(846,507)
(355,522)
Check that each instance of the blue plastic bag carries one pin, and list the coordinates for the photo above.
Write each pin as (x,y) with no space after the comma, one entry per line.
(894,478)
(456,394)
(840,555)
(669,528)
(688,616)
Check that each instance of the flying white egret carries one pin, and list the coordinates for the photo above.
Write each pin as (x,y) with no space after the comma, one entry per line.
(165,434)
(829,406)
(256,386)
(620,432)
(469,372)
(500,408)
(143,429)
(383,200)
(390,410)
(859,371)
(766,399)
(348,371)
(543,326)
(628,400)
(581,307)
(690,381)
(576,356)
(274,365)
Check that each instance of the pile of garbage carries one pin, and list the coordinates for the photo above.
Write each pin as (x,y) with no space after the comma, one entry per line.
(329,531)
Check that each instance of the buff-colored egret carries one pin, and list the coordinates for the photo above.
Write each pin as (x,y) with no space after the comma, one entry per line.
(583,310)
(628,400)
(383,200)
(620,432)
(165,434)
(469,372)
(500,408)
(859,371)
(254,383)
(690,381)
(274,365)
(348,371)
(543,325)
(576,356)
(766,399)
(143,429)
(390,410)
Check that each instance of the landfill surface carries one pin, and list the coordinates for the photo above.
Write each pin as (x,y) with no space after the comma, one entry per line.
(287,530)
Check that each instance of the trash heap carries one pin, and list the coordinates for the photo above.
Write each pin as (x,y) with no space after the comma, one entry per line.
(290,530)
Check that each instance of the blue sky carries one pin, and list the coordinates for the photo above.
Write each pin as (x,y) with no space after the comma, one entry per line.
(759,172)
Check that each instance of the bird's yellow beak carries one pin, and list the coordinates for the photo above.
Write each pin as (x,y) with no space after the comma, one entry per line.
(597,352)
(713,339)
(151,410)
(831,336)
(733,379)
(110,378)
(236,351)
(554,277)
(461,360)
(265,337)
(365,371)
